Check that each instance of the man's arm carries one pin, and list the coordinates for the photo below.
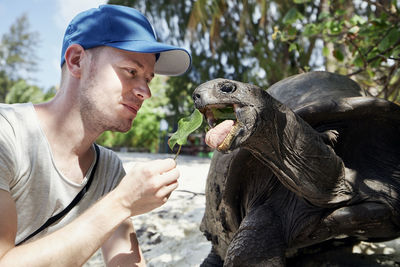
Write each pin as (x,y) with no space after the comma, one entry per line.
(71,245)
(144,188)
(8,222)
(122,248)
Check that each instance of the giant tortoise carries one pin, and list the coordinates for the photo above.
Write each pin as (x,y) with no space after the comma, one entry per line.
(308,160)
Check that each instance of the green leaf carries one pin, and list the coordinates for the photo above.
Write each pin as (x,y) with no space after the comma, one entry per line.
(291,16)
(358,61)
(340,12)
(380,22)
(325,51)
(292,32)
(338,55)
(293,47)
(311,29)
(370,72)
(357,20)
(324,15)
(301,1)
(335,27)
(186,126)
(396,52)
(389,40)
(354,29)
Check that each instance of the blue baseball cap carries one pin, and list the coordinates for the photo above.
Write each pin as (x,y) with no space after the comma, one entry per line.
(127,29)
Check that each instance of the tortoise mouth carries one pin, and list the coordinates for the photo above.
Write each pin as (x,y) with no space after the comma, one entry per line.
(215,115)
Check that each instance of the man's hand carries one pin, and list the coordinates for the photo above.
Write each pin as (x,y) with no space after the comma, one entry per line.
(148,185)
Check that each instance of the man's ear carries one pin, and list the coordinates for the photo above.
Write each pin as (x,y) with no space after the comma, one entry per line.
(73,57)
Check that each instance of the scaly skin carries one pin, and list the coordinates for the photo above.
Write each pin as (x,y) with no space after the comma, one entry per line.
(288,183)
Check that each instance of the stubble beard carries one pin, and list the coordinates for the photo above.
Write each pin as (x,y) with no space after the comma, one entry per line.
(93,115)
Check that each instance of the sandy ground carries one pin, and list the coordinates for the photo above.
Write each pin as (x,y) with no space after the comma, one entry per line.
(170,235)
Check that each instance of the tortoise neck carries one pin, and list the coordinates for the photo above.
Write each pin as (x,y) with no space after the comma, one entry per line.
(297,155)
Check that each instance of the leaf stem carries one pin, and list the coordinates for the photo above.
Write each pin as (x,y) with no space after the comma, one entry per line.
(177,153)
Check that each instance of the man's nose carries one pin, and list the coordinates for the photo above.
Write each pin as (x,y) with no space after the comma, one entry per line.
(142,91)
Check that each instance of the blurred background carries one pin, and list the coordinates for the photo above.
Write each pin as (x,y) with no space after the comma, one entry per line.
(253,41)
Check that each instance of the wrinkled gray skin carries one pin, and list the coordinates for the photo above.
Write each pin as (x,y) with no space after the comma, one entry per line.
(313,160)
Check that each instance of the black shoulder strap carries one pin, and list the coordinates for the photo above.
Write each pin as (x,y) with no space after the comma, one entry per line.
(75,201)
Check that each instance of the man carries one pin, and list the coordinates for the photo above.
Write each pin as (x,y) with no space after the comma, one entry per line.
(47,151)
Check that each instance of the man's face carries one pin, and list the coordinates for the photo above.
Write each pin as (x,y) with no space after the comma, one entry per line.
(114,85)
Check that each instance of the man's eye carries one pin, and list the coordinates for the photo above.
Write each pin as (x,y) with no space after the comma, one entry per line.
(132,72)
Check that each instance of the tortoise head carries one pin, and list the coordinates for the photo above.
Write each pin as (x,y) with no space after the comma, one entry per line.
(221,99)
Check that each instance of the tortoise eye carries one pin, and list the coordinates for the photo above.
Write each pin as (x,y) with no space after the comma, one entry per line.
(228,87)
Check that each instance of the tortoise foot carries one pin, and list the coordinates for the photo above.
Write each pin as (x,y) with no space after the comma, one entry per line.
(212,260)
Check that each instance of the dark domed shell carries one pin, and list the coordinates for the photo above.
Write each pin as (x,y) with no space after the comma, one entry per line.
(319,97)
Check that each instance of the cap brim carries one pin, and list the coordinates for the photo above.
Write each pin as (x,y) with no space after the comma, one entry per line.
(173,61)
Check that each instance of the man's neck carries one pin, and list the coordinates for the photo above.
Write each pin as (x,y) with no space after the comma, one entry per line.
(70,141)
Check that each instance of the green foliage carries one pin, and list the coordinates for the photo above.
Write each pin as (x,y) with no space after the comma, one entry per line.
(17,50)
(361,39)
(49,94)
(17,59)
(5,85)
(21,92)
(292,16)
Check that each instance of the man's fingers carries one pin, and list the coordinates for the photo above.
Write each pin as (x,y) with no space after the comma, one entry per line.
(166,178)
(154,167)
(166,191)
(162,165)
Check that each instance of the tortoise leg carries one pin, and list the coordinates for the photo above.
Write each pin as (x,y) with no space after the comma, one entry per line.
(212,260)
(368,220)
(330,137)
(258,242)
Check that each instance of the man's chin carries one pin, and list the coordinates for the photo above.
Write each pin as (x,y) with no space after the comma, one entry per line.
(123,127)
(124,130)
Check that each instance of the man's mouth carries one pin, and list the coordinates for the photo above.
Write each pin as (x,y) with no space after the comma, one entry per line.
(222,118)
(131,109)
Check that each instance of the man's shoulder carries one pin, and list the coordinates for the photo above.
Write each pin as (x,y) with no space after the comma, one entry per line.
(12,112)
(108,157)
(110,165)
(107,151)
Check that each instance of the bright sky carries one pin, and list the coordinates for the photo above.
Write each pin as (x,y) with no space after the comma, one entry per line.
(49,18)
